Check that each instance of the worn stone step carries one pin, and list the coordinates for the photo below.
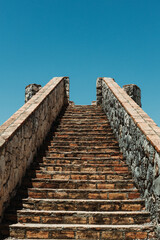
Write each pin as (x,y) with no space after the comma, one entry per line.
(82,184)
(83,160)
(82,231)
(79,130)
(74,175)
(107,194)
(82,126)
(73,138)
(105,144)
(83,134)
(83,205)
(79,142)
(81,115)
(88,109)
(82,217)
(57,154)
(86,121)
(83,149)
(84,167)
(86,117)
(84,111)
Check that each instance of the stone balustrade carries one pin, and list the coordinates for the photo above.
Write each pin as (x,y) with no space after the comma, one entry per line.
(139,140)
(25,131)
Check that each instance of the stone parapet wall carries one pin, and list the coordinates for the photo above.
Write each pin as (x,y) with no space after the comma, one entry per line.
(23,134)
(139,140)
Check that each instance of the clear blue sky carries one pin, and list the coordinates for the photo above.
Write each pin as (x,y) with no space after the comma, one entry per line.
(82,39)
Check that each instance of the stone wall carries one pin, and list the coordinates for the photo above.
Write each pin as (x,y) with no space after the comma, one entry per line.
(23,134)
(139,140)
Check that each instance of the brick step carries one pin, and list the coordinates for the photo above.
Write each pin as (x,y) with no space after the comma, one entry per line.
(69,131)
(84,126)
(73,138)
(84,108)
(82,231)
(82,149)
(74,175)
(83,121)
(84,111)
(84,144)
(106,194)
(59,154)
(84,167)
(84,114)
(83,134)
(82,217)
(83,205)
(103,142)
(82,184)
(75,160)
(87,117)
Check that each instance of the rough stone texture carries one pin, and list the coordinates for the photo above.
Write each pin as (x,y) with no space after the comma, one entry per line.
(66,89)
(23,134)
(134,92)
(99,91)
(31,90)
(139,140)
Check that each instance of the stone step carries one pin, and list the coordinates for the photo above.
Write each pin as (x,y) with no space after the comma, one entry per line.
(86,121)
(83,205)
(84,125)
(59,154)
(106,144)
(84,167)
(84,114)
(74,175)
(74,138)
(83,160)
(82,184)
(82,231)
(87,117)
(82,217)
(104,126)
(79,130)
(85,109)
(105,194)
(83,134)
(83,149)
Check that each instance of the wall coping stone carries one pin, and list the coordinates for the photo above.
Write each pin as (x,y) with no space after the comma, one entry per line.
(141,119)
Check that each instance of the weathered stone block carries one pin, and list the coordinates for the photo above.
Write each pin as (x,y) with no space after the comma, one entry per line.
(134,92)
(31,90)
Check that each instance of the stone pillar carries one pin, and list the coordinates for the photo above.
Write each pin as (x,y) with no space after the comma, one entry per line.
(66,87)
(31,90)
(99,91)
(134,92)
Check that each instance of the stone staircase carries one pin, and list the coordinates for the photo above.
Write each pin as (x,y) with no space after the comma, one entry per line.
(82,188)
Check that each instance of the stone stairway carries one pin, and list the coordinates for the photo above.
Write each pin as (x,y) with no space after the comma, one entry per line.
(82,188)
